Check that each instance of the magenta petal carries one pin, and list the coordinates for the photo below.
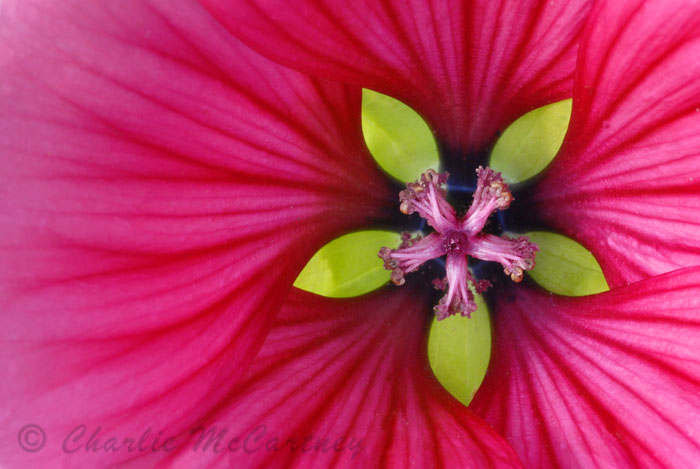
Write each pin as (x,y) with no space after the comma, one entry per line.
(469,67)
(627,181)
(353,372)
(611,380)
(161,186)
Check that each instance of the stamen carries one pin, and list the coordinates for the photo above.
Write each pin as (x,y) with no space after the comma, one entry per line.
(412,253)
(459,298)
(491,194)
(458,239)
(515,255)
(427,197)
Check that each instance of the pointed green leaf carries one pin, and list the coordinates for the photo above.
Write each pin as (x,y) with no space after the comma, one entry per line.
(565,267)
(348,266)
(459,350)
(398,138)
(530,143)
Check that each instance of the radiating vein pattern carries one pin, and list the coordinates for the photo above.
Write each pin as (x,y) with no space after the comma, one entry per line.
(603,381)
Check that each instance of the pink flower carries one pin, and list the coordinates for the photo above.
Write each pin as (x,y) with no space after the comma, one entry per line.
(165,178)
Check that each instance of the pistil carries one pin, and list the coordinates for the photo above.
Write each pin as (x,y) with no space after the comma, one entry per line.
(457,238)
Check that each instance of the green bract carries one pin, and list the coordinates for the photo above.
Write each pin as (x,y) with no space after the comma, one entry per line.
(531,142)
(398,138)
(565,267)
(348,266)
(459,350)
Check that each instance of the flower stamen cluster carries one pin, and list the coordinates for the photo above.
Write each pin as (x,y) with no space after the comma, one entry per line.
(457,238)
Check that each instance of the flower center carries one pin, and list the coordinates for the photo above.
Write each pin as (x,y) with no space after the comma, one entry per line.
(457,238)
(455,242)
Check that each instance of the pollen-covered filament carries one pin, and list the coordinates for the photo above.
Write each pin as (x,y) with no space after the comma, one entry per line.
(457,238)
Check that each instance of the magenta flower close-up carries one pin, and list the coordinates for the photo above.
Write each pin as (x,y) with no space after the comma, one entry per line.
(169,167)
